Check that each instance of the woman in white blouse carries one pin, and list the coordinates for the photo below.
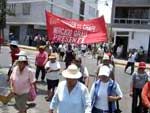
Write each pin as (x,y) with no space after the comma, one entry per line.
(71,96)
(104,93)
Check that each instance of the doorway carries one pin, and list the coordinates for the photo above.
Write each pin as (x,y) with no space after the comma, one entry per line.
(15,30)
(122,40)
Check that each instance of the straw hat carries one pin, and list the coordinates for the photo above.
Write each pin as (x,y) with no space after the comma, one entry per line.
(22,58)
(14,43)
(42,47)
(72,72)
(52,56)
(104,71)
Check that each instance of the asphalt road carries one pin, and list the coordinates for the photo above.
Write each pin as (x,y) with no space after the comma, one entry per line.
(41,105)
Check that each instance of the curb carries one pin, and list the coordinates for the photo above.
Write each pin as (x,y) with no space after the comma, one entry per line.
(25,47)
(28,48)
(123,63)
(117,62)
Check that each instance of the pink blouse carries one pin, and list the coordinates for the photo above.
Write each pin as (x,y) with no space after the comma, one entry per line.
(21,82)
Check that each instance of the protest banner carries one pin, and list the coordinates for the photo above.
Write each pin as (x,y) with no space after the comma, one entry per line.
(64,30)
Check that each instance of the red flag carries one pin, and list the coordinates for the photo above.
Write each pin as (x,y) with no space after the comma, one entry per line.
(73,31)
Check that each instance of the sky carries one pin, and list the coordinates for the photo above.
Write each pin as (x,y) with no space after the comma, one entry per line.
(105,9)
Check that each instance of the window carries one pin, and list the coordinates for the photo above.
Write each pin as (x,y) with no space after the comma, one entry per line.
(129,12)
(92,11)
(12,8)
(26,8)
(69,2)
(66,13)
(82,6)
(141,13)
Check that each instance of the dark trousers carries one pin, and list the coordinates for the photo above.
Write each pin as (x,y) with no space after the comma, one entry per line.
(137,108)
(38,69)
(130,64)
(67,64)
(95,110)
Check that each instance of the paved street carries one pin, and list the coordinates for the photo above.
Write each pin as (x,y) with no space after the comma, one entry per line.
(41,104)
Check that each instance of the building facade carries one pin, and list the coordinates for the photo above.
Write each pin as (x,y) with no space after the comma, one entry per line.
(131,24)
(29,16)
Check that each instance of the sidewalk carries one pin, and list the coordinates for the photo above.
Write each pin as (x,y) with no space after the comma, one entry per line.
(117,61)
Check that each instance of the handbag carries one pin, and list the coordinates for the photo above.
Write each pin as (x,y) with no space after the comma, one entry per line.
(32,94)
(118,109)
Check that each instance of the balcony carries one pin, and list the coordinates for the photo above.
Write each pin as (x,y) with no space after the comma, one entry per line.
(131,21)
(132,2)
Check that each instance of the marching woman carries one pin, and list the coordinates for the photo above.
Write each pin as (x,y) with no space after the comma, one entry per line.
(21,80)
(139,78)
(71,96)
(52,68)
(105,92)
(145,96)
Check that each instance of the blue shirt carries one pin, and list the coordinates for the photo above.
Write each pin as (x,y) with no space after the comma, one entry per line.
(77,101)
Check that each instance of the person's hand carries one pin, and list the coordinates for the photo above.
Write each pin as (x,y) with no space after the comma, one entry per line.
(131,94)
(112,98)
(49,70)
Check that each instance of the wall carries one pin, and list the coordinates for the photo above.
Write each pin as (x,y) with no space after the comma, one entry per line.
(140,39)
(23,33)
(6,33)
(37,14)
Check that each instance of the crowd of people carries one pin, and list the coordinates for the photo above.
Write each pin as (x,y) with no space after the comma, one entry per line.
(72,94)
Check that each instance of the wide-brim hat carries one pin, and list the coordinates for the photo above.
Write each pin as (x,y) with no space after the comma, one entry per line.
(22,58)
(104,71)
(41,47)
(15,43)
(52,56)
(72,72)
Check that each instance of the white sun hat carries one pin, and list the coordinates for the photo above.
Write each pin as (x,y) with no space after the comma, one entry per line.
(104,71)
(22,53)
(72,72)
(15,43)
(22,58)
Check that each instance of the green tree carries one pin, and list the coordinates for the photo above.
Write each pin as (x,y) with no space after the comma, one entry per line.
(3,12)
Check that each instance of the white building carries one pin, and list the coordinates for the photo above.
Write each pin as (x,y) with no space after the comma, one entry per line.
(29,16)
(105,9)
(131,24)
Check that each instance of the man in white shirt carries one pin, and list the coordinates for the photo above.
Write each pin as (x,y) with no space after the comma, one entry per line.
(85,74)
(52,75)
(62,51)
(100,55)
(106,62)
(131,61)
(119,51)
(71,96)
(83,49)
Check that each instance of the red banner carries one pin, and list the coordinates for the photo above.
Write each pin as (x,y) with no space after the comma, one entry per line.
(73,31)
